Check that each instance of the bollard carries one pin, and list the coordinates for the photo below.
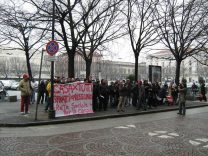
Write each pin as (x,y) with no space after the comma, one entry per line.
(12,98)
(51,114)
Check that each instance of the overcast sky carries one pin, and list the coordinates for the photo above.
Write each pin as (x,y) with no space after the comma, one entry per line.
(119,50)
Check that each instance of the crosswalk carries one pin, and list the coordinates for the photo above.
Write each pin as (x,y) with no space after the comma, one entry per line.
(203,142)
(163,134)
(200,142)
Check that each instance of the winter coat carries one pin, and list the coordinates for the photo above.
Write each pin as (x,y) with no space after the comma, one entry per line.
(25,88)
(41,88)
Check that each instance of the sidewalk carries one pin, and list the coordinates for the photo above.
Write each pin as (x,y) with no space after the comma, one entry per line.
(10,114)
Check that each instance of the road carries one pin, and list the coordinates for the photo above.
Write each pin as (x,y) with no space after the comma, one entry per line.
(160,134)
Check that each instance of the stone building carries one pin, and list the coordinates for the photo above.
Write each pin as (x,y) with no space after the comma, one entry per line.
(100,68)
(191,70)
(13,65)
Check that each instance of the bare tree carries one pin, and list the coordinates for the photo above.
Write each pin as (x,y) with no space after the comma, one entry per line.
(18,66)
(70,16)
(4,67)
(141,30)
(181,28)
(21,30)
(107,28)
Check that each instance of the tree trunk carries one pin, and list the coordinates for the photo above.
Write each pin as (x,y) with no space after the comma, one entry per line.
(71,56)
(88,67)
(136,67)
(28,64)
(178,67)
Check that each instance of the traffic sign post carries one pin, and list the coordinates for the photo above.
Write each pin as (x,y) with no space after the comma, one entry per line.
(52,47)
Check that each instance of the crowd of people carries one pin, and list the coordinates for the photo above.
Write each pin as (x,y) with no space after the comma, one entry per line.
(142,95)
(120,94)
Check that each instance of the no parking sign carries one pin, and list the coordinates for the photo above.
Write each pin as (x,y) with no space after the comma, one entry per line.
(52,47)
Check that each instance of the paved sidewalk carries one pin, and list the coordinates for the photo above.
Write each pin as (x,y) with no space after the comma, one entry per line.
(10,114)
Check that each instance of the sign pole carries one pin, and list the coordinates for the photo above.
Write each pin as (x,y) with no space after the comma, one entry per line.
(52,115)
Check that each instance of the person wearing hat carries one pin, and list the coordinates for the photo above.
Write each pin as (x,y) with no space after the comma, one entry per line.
(25,89)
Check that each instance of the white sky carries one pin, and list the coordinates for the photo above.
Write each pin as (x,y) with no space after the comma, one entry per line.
(120,50)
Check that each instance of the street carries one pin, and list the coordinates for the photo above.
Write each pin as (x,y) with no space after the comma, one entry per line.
(160,134)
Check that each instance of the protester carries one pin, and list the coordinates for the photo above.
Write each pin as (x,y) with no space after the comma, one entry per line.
(25,89)
(33,86)
(103,97)
(182,89)
(95,95)
(154,94)
(41,92)
(163,93)
(116,92)
(194,89)
(150,99)
(129,89)
(203,92)
(135,93)
(146,87)
(112,94)
(48,90)
(175,94)
(141,96)
(169,97)
(122,97)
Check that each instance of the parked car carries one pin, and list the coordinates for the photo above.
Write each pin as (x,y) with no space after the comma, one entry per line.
(7,83)
(2,90)
(1,86)
(15,85)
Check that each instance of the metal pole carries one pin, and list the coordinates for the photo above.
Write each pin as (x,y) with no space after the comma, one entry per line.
(52,66)
(41,62)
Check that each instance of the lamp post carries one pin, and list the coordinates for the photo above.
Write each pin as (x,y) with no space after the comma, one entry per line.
(41,62)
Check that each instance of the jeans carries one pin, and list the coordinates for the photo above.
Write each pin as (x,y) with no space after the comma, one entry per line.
(182,108)
(32,97)
(48,104)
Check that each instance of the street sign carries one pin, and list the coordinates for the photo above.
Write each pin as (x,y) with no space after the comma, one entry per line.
(52,58)
(52,47)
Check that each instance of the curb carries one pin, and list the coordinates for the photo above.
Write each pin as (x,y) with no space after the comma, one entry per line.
(62,121)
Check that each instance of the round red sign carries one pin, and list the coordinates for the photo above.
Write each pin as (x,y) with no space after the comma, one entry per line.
(52,47)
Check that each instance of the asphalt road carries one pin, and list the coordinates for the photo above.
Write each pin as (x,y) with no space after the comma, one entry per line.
(160,134)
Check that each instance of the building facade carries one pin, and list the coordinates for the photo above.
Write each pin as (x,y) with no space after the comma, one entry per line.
(13,65)
(191,70)
(100,68)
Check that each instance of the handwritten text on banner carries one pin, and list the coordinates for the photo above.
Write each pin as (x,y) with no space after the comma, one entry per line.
(73,98)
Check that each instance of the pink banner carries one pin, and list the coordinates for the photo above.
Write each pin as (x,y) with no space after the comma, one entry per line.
(73,98)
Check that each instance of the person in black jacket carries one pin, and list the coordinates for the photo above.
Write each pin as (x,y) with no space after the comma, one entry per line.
(112,94)
(116,90)
(95,96)
(135,93)
(41,92)
(203,92)
(103,97)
